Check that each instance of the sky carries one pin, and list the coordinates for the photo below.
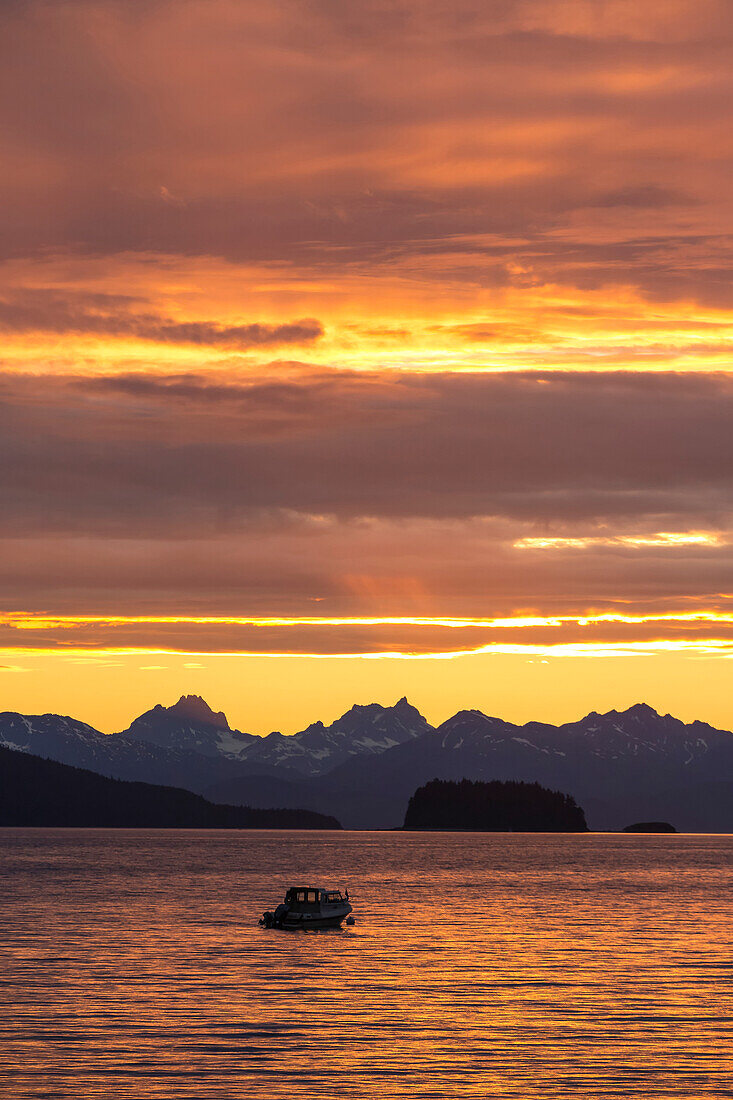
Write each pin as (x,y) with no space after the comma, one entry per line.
(351,351)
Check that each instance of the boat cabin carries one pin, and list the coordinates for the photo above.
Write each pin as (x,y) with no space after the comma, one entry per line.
(309,899)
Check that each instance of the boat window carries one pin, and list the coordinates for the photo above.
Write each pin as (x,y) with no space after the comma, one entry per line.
(334,895)
(313,895)
(300,895)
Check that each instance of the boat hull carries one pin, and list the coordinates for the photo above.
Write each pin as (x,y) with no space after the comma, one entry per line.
(306,923)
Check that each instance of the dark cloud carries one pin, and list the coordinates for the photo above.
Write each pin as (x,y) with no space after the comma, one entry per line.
(34,311)
(555,448)
(387,568)
(234,336)
(358,494)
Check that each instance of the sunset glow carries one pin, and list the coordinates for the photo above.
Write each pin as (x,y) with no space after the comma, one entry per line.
(366,549)
(402,332)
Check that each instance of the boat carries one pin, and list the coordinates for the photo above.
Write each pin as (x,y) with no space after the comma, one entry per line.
(309,908)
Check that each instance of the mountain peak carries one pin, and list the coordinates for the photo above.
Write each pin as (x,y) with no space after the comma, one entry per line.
(189,725)
(195,709)
(402,710)
(642,710)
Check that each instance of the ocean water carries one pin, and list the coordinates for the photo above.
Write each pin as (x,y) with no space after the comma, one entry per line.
(480,966)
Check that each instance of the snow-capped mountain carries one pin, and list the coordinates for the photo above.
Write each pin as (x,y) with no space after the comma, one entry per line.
(191,745)
(190,725)
(638,736)
(57,737)
(362,731)
(613,759)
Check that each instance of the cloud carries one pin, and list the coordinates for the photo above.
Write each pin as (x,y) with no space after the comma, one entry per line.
(519,185)
(178,452)
(580,139)
(708,632)
(234,336)
(348,493)
(43,311)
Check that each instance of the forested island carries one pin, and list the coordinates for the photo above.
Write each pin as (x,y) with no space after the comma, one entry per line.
(650,827)
(493,806)
(35,791)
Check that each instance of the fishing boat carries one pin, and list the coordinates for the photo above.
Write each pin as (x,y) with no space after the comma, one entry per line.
(309,908)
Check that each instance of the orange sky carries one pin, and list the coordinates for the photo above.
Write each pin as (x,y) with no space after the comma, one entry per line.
(355,350)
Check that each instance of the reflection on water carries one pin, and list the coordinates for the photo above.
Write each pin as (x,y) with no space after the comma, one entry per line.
(480,966)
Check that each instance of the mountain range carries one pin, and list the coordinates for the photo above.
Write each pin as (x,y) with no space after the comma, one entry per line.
(619,766)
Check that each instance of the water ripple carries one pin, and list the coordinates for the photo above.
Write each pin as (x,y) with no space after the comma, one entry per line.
(500,966)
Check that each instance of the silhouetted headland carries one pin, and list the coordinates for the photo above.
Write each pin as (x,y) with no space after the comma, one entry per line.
(493,807)
(39,792)
(650,827)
